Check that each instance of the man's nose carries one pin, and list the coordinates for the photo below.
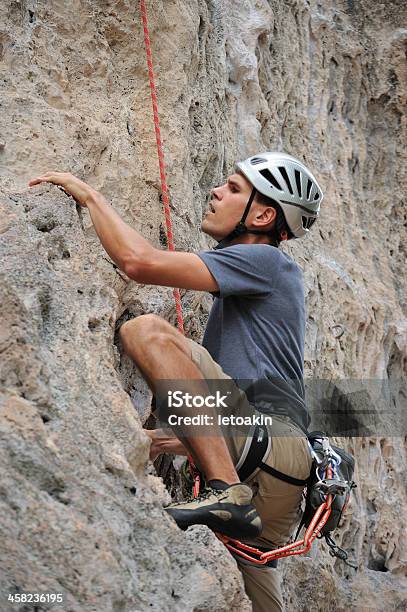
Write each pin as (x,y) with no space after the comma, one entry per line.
(216,191)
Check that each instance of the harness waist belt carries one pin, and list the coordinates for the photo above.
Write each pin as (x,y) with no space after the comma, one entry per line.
(257,452)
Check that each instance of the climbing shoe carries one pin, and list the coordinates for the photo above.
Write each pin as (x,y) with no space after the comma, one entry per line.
(228,511)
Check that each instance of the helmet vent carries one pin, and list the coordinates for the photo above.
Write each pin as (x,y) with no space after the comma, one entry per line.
(271,178)
(298,182)
(316,196)
(308,222)
(285,177)
(257,160)
(309,185)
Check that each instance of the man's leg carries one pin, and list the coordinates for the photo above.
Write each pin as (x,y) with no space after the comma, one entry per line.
(277,503)
(161,352)
(263,586)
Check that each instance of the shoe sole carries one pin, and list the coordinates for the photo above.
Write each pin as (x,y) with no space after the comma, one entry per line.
(243,531)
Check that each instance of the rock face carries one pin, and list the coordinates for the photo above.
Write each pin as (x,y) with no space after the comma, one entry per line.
(80,506)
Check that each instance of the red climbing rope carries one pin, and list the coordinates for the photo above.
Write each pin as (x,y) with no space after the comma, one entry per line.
(164,188)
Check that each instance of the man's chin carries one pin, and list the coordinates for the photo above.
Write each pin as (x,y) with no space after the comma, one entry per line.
(210,231)
(206,229)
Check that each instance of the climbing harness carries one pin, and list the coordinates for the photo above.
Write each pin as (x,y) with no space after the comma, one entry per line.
(328,491)
(160,152)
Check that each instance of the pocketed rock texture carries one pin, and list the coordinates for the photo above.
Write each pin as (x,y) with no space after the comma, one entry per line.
(80,505)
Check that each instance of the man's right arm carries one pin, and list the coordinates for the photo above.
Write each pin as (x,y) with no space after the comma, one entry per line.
(139,259)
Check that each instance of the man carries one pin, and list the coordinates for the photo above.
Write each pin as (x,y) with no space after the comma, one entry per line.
(255,333)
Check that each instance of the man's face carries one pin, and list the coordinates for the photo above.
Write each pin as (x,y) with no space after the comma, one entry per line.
(226,206)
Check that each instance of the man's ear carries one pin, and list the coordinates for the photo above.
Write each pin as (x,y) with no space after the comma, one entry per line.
(265,212)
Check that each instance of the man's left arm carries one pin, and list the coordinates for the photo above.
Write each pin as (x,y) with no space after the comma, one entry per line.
(128,249)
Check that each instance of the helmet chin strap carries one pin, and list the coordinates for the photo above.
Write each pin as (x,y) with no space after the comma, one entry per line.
(240,228)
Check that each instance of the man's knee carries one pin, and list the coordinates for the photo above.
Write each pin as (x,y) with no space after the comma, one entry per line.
(148,331)
(141,327)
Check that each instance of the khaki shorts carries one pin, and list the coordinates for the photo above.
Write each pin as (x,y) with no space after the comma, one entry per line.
(277,502)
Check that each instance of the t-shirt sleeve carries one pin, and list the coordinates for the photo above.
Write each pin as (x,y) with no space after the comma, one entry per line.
(243,269)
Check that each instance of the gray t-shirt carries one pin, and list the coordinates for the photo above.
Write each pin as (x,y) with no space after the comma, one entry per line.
(256,326)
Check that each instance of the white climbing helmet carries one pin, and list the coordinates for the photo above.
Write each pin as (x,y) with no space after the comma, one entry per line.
(286,180)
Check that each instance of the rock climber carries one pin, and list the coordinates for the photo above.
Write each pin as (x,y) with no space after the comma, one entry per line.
(253,342)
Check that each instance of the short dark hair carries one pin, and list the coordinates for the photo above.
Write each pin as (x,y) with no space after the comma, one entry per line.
(280,225)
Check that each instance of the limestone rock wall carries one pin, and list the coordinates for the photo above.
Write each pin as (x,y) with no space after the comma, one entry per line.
(80,505)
